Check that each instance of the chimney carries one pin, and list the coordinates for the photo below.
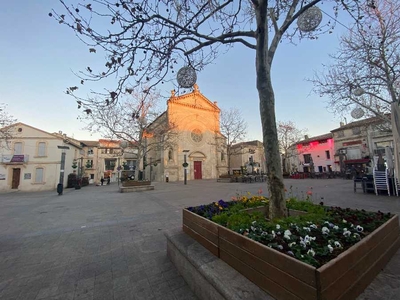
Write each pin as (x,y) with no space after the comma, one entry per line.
(306,137)
(341,124)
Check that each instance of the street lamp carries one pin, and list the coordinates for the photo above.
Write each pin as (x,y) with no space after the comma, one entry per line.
(62,167)
(185,165)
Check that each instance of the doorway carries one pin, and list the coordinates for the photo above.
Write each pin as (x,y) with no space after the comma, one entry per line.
(15,178)
(197,170)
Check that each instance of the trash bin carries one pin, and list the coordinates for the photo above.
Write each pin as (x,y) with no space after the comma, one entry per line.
(60,188)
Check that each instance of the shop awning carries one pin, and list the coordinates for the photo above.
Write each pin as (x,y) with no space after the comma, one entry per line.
(357,161)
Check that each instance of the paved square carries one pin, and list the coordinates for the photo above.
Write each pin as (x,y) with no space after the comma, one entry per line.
(96,243)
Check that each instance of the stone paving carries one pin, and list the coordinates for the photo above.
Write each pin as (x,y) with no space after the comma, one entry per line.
(96,243)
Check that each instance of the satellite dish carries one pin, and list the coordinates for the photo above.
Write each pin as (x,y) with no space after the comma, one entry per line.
(357,113)
(310,19)
(186,77)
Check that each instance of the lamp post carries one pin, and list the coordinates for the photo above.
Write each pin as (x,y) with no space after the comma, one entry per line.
(62,167)
(185,165)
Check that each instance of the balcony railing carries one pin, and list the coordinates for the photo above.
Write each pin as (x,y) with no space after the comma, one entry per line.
(14,159)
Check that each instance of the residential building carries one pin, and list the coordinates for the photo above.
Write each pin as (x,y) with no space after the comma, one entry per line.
(357,142)
(31,159)
(248,157)
(313,155)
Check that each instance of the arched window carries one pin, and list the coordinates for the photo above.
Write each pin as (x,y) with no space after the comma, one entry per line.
(170,154)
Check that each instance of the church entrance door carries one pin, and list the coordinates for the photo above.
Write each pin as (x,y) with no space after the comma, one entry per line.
(197,170)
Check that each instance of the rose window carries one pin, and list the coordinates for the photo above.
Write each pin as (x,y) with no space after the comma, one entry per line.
(196,135)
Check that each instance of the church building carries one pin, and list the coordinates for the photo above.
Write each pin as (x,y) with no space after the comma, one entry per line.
(195,142)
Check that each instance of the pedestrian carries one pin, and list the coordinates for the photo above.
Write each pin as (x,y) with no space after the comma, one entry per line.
(108,180)
(102,180)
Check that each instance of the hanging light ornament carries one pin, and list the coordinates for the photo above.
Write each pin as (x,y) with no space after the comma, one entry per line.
(186,77)
(310,19)
(357,113)
(358,92)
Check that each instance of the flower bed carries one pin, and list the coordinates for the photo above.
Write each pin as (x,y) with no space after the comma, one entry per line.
(135,183)
(325,254)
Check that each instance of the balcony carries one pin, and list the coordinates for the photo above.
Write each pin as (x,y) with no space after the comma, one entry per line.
(10,159)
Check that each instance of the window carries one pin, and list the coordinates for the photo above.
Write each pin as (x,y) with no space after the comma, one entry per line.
(91,176)
(340,133)
(328,154)
(196,135)
(222,156)
(307,158)
(356,130)
(18,148)
(90,151)
(42,149)
(39,175)
(170,154)
(110,164)
(89,164)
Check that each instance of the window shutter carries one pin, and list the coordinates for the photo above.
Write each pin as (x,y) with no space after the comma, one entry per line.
(39,175)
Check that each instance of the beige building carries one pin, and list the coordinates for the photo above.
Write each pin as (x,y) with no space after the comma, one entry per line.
(31,160)
(249,156)
(195,137)
(358,142)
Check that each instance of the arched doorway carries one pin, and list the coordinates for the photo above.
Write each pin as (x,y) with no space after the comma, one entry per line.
(198,158)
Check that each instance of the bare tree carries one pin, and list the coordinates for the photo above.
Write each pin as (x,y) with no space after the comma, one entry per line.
(6,132)
(365,75)
(234,128)
(288,135)
(136,121)
(147,40)
(366,69)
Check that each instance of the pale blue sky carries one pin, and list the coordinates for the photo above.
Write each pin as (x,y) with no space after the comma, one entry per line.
(37,57)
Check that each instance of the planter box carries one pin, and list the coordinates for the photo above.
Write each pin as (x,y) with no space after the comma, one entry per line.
(135,183)
(284,277)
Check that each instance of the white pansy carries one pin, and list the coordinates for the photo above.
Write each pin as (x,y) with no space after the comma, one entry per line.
(330,248)
(273,234)
(303,244)
(254,222)
(264,233)
(280,247)
(292,244)
(311,252)
(347,233)
(278,226)
(344,221)
(252,228)
(336,227)
(359,228)
(313,226)
(325,230)
(307,229)
(287,232)
(337,244)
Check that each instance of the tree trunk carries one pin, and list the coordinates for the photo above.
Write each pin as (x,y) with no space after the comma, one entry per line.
(277,203)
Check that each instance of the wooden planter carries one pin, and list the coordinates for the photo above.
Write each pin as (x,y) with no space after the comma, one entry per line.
(135,183)
(284,277)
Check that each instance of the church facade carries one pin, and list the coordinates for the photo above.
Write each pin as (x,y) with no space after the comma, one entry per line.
(194,143)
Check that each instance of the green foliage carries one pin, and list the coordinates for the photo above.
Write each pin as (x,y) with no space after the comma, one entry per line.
(305,205)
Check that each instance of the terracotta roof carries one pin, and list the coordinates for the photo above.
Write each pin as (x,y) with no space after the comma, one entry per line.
(249,143)
(316,138)
(363,122)
(90,143)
